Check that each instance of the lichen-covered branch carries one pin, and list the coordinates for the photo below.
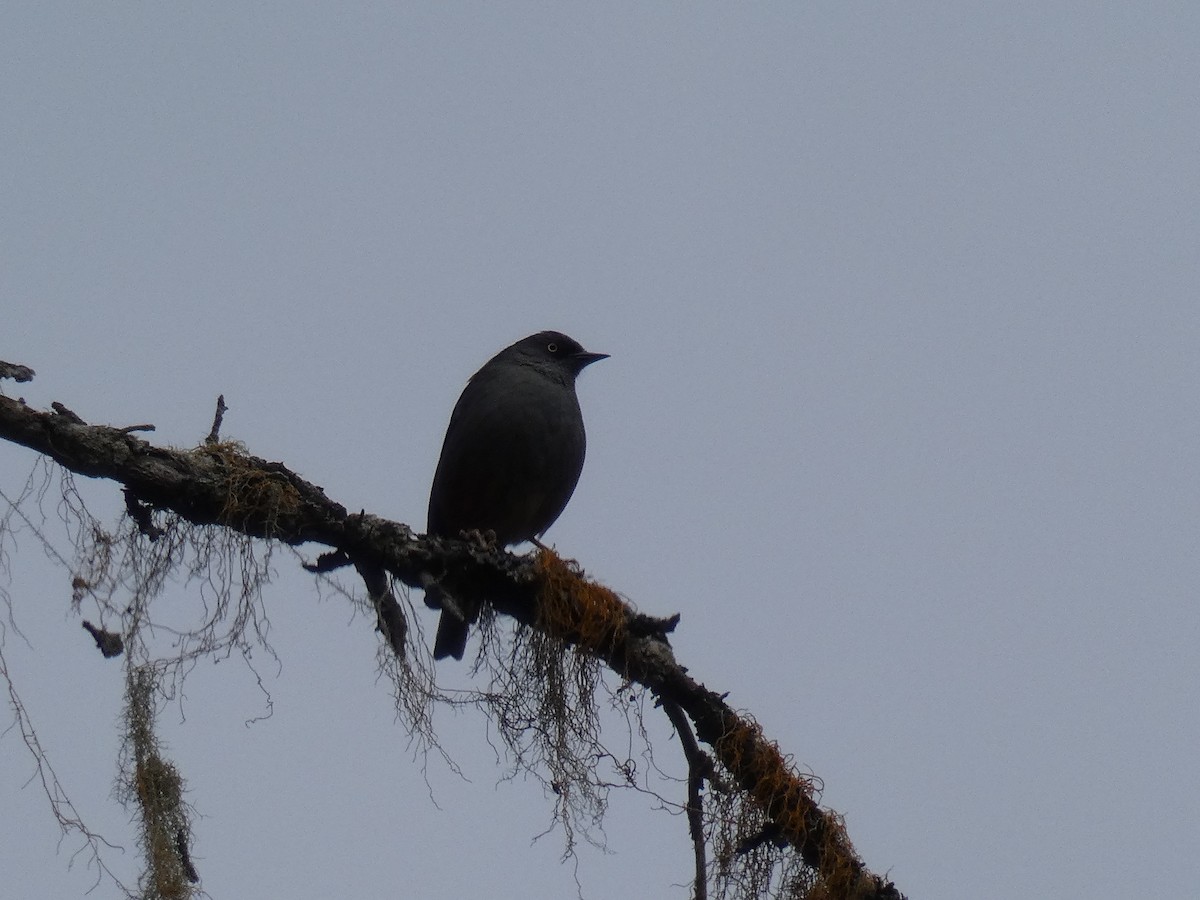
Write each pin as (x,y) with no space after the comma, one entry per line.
(220,484)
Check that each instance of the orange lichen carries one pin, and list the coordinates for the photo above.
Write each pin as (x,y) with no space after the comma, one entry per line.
(575,608)
(789,800)
(785,796)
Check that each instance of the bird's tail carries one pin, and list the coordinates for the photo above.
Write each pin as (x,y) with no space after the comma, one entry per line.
(451,637)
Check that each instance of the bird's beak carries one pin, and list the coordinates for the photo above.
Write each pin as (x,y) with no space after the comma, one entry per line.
(583,358)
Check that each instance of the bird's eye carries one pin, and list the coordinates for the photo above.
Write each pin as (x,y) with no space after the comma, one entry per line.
(552,347)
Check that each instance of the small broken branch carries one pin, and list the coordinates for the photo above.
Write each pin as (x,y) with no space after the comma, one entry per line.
(16,372)
(142,515)
(108,642)
(214,436)
(389,615)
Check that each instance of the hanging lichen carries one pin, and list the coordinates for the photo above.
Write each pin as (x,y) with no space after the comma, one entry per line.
(156,786)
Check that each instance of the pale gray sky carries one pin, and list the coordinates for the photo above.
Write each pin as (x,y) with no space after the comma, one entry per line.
(901,413)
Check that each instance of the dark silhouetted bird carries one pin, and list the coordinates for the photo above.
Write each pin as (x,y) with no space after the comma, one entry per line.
(511,459)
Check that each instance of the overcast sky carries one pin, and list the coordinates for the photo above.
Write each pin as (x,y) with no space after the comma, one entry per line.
(903,302)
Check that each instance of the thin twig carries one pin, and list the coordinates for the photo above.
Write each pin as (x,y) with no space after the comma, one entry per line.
(214,436)
(700,767)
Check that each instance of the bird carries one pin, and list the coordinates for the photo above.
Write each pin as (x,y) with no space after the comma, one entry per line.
(511,458)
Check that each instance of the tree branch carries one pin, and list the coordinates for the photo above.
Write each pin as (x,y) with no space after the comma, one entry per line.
(15,372)
(219,484)
(700,768)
